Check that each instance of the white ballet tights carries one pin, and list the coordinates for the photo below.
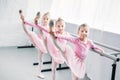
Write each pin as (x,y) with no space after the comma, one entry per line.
(40,54)
(74,77)
(54,66)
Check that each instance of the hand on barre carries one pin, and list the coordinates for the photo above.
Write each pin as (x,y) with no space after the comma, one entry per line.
(107,55)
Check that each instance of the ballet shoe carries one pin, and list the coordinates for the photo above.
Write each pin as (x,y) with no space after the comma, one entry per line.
(41,76)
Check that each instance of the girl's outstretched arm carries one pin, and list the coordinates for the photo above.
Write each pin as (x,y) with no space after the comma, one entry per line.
(93,46)
(66,37)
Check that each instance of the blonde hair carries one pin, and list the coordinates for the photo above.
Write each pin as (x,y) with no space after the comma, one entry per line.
(46,14)
(59,20)
(82,25)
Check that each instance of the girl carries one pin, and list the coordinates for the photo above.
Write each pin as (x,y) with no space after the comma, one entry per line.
(82,44)
(38,41)
(42,36)
(58,56)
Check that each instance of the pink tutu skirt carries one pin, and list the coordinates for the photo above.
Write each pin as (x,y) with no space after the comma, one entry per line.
(76,66)
(54,51)
(37,41)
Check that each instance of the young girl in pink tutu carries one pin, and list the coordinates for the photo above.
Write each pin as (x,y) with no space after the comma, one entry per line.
(82,44)
(42,35)
(59,55)
(38,40)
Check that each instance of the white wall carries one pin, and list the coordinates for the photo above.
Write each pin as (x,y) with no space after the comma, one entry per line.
(100,14)
(11,32)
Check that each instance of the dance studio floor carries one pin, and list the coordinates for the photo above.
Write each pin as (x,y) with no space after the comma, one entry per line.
(17,64)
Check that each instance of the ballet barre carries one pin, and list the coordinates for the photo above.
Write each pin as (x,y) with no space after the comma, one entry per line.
(59,68)
(107,46)
(29,46)
(114,66)
(115,58)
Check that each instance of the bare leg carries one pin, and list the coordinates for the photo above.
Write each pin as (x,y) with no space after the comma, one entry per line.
(54,66)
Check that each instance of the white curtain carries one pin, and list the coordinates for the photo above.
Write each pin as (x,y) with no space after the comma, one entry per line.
(100,14)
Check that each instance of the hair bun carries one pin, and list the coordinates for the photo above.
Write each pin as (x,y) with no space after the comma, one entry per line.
(51,23)
(60,19)
(20,11)
(38,13)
